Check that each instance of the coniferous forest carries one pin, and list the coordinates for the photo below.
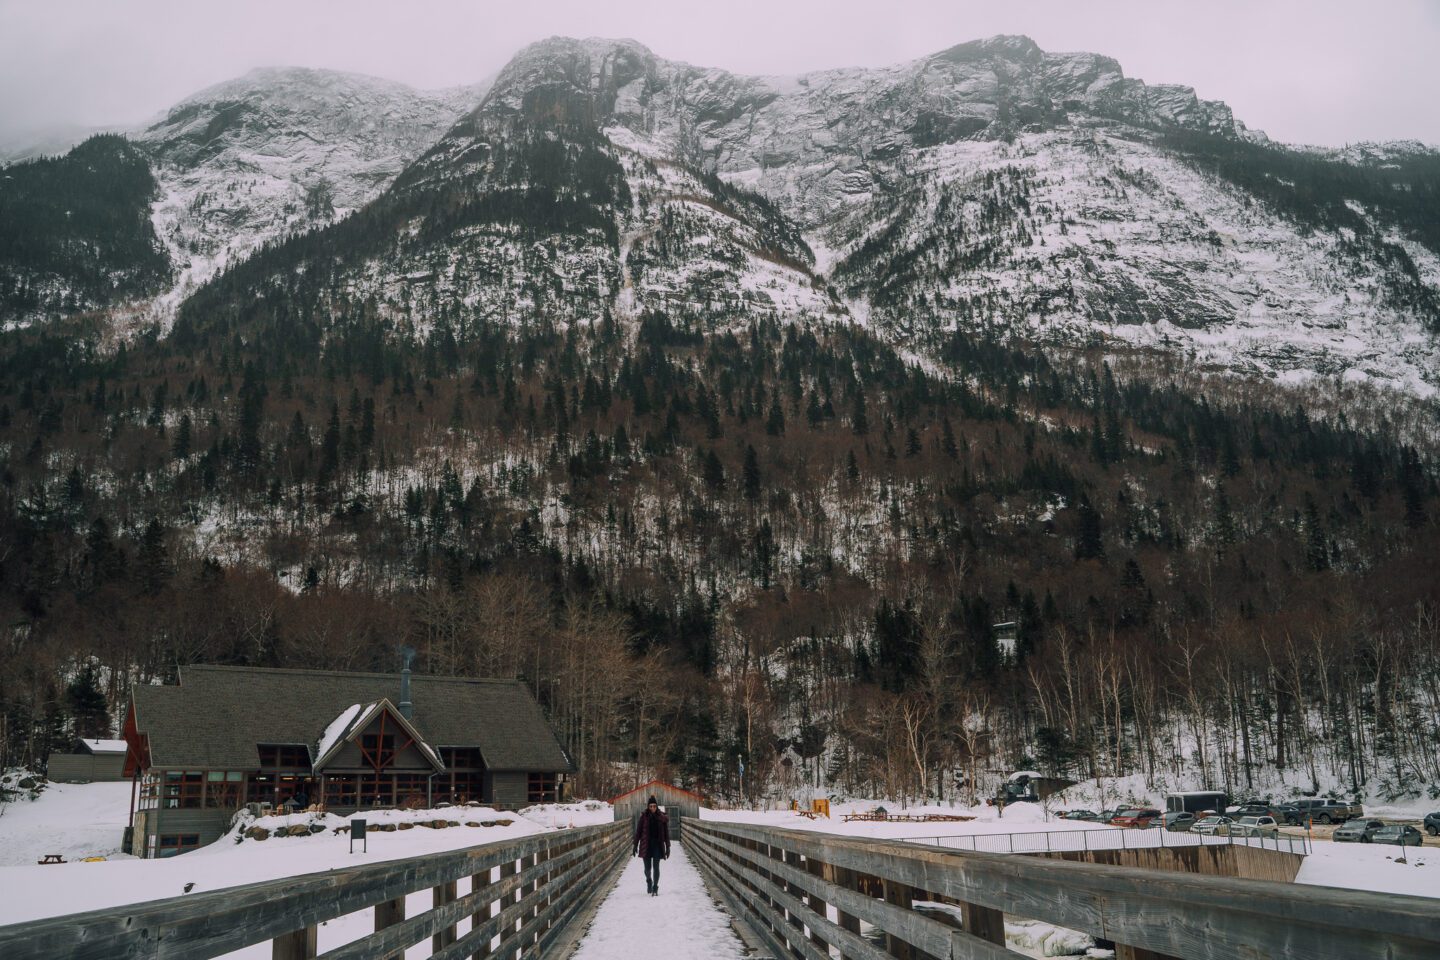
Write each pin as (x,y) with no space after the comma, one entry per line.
(781,543)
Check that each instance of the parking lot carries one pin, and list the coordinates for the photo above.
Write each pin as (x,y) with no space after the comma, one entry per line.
(1322,831)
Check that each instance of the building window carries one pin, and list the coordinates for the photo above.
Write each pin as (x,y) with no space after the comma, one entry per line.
(462,758)
(377,791)
(174,844)
(465,785)
(181,791)
(149,791)
(224,789)
(545,788)
(283,756)
(341,790)
(411,789)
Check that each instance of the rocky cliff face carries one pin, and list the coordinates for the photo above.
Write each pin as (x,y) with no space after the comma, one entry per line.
(991,185)
(280,150)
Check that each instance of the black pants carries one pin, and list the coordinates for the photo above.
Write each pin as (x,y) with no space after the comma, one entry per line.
(652,872)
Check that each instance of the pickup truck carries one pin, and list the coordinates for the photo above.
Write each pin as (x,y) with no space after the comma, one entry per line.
(1327,809)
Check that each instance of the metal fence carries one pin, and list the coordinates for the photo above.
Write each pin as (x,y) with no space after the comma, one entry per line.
(1064,841)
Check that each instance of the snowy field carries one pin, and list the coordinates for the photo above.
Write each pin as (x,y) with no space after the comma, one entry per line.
(87,820)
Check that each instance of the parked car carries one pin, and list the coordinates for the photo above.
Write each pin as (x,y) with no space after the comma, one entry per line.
(1178,821)
(1136,817)
(1359,830)
(1288,814)
(1432,824)
(1327,809)
(1213,826)
(1089,815)
(1283,813)
(1399,835)
(1105,816)
(1255,827)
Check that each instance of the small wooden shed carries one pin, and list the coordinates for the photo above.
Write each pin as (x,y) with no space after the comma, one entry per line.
(676,802)
(92,761)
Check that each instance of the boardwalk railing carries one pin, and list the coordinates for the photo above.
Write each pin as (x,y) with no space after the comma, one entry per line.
(519,896)
(1057,841)
(813,896)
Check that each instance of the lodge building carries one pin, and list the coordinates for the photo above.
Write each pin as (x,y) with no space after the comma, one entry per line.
(224,737)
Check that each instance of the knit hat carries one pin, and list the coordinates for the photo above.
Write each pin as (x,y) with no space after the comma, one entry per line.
(652,800)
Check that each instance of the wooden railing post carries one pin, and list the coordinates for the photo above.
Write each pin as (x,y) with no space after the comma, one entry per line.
(507,932)
(478,883)
(984,922)
(441,895)
(299,945)
(792,859)
(901,896)
(387,914)
(527,893)
(842,877)
(817,903)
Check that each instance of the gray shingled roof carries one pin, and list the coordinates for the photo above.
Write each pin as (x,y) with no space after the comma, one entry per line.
(216,715)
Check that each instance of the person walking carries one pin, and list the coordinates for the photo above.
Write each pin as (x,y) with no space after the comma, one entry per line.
(652,843)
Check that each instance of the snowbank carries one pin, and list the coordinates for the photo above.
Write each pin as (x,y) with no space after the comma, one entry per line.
(1365,866)
(71,817)
(75,820)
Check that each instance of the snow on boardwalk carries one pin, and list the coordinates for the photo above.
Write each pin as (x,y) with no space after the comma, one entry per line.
(682,923)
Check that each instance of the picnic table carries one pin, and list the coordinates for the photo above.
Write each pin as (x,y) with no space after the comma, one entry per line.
(51,858)
(907,817)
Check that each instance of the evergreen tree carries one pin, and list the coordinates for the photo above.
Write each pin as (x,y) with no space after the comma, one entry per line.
(775,422)
(87,705)
(712,471)
(947,440)
(180,448)
(858,420)
(750,475)
(154,560)
(1317,545)
(1089,544)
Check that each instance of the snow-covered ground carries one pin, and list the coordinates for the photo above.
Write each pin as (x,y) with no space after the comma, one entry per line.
(71,819)
(682,923)
(87,820)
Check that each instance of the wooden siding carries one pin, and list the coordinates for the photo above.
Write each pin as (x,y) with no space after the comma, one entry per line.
(86,767)
(679,804)
(1219,860)
(508,789)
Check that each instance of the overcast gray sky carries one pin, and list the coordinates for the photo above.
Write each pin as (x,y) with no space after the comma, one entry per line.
(1319,71)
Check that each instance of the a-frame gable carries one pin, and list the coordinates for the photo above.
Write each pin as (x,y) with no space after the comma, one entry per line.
(377,720)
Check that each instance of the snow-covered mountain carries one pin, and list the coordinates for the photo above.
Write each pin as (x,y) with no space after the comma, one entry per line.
(279,150)
(996,184)
(991,185)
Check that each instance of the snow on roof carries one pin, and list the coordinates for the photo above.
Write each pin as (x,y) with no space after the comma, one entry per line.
(336,731)
(355,718)
(105,746)
(1026,773)
(1195,793)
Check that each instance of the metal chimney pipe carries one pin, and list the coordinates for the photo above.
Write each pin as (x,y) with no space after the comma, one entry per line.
(407,709)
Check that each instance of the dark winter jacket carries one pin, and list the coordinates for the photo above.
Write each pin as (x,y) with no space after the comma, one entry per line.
(652,835)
